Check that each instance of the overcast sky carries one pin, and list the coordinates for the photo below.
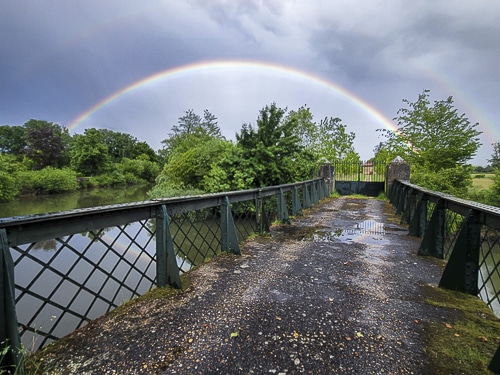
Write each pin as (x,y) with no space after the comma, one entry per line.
(351,59)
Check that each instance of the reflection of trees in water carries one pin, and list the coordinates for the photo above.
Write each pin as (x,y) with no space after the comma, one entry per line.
(48,245)
(490,270)
(96,235)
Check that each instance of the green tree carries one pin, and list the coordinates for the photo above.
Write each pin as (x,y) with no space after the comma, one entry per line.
(193,147)
(9,167)
(272,153)
(437,142)
(434,137)
(89,153)
(190,130)
(47,144)
(188,167)
(120,145)
(12,140)
(329,139)
(333,141)
(142,149)
(495,157)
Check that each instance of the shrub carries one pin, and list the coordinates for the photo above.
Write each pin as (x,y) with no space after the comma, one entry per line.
(116,178)
(8,187)
(48,180)
(143,170)
(455,181)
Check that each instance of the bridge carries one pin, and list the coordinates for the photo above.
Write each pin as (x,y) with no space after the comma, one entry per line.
(340,287)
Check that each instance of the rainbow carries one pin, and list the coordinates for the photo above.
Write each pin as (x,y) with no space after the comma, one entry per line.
(235,65)
(471,106)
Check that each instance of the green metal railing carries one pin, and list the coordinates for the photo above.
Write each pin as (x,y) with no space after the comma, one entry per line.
(61,270)
(465,233)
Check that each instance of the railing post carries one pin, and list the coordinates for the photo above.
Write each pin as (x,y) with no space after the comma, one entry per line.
(296,206)
(462,269)
(314,192)
(229,237)
(167,271)
(282,209)
(433,241)
(418,222)
(400,204)
(307,197)
(13,360)
(495,362)
(394,192)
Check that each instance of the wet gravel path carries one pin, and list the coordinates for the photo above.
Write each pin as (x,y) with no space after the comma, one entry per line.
(336,292)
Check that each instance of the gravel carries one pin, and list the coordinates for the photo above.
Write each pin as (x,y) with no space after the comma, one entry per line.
(338,291)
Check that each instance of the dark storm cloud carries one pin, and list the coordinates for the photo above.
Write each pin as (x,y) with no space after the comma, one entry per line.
(59,58)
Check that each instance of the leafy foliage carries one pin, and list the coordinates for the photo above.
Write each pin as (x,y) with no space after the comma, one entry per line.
(436,141)
(495,157)
(48,180)
(273,151)
(8,187)
(12,140)
(89,153)
(434,137)
(455,181)
(193,147)
(142,169)
(190,130)
(46,148)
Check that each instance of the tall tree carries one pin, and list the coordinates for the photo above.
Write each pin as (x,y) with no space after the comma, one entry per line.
(190,130)
(273,150)
(495,157)
(89,153)
(47,144)
(333,140)
(437,142)
(120,145)
(12,140)
(434,136)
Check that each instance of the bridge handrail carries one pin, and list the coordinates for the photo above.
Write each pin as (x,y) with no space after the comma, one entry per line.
(32,228)
(154,255)
(459,205)
(464,232)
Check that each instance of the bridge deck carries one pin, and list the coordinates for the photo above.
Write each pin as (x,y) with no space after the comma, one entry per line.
(340,290)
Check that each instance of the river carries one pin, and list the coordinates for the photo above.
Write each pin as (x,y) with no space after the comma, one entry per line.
(38,204)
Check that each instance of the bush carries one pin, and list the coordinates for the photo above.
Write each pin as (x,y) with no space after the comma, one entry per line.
(48,180)
(143,170)
(455,181)
(8,187)
(116,178)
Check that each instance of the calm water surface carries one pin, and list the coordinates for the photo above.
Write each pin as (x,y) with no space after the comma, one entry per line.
(77,199)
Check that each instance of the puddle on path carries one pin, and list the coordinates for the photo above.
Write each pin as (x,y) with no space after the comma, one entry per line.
(367,231)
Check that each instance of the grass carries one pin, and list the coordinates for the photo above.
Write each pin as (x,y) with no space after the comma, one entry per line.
(467,343)
(482,183)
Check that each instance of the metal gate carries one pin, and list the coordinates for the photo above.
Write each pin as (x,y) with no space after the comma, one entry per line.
(365,178)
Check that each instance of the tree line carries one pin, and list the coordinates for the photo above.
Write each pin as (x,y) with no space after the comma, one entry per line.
(283,146)
(42,157)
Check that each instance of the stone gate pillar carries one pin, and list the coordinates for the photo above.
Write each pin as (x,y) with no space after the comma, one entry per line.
(398,169)
(326,171)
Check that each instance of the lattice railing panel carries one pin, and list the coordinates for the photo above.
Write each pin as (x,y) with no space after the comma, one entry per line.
(65,282)
(453,224)
(489,268)
(196,236)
